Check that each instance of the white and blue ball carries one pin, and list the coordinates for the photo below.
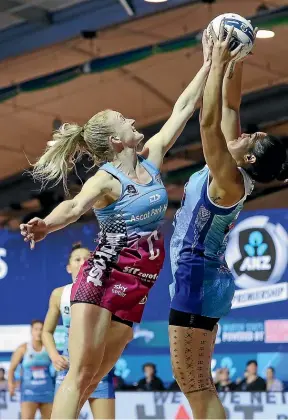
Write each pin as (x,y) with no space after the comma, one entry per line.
(243,32)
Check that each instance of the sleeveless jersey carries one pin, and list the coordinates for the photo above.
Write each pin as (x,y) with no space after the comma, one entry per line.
(132,219)
(201,232)
(140,208)
(65,314)
(37,383)
(130,251)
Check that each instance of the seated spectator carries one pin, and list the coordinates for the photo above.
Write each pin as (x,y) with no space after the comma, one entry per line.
(251,382)
(273,384)
(224,383)
(119,383)
(3,380)
(150,382)
(174,387)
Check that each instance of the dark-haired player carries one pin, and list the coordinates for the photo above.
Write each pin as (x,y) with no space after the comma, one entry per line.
(37,382)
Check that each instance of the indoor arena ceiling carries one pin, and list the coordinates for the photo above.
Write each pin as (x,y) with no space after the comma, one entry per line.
(145,90)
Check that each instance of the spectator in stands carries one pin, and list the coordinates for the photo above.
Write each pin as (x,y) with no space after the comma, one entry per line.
(119,383)
(224,383)
(174,387)
(251,382)
(150,382)
(3,380)
(273,384)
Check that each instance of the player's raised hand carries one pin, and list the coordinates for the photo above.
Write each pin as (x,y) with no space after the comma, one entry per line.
(221,53)
(207,45)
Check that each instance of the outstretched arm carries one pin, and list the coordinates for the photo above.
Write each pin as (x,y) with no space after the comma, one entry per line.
(68,211)
(227,185)
(232,85)
(232,88)
(183,110)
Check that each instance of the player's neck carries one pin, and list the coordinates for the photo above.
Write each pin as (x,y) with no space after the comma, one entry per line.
(126,161)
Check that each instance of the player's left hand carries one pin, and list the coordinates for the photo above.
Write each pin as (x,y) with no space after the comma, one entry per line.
(60,363)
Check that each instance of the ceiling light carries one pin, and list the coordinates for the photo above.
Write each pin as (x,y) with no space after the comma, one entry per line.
(156,1)
(264,34)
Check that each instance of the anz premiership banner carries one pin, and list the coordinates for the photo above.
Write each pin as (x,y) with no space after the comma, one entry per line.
(173,405)
(257,254)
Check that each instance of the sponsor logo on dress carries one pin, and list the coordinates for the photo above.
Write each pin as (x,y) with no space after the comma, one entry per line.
(154,198)
(131,190)
(158,179)
(148,277)
(119,290)
(102,256)
(143,301)
(154,212)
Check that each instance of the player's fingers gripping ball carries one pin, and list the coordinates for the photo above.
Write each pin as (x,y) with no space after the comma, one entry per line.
(243,32)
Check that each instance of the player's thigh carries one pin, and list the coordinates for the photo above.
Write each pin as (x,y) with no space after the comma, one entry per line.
(87,337)
(45,410)
(191,350)
(119,336)
(28,409)
(102,408)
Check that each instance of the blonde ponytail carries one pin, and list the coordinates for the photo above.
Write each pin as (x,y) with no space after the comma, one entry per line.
(60,156)
(70,143)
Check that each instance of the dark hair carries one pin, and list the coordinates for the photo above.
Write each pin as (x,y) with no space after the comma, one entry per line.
(273,370)
(2,370)
(250,362)
(271,160)
(149,365)
(36,321)
(77,245)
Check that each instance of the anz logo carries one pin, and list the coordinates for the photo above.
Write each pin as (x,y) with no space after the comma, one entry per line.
(154,198)
(257,252)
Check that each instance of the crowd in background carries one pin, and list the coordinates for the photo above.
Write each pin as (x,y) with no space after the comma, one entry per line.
(250,382)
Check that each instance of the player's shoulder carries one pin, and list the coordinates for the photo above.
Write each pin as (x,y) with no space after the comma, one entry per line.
(58,292)
(56,295)
(23,347)
(102,175)
(103,179)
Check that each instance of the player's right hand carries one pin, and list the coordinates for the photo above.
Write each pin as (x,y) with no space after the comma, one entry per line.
(221,53)
(60,363)
(11,388)
(34,231)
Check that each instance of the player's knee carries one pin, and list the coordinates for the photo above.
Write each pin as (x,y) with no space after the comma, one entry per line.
(190,385)
(81,375)
(85,376)
(198,389)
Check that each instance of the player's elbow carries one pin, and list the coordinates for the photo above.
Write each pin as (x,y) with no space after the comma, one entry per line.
(207,128)
(76,211)
(184,110)
(207,120)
